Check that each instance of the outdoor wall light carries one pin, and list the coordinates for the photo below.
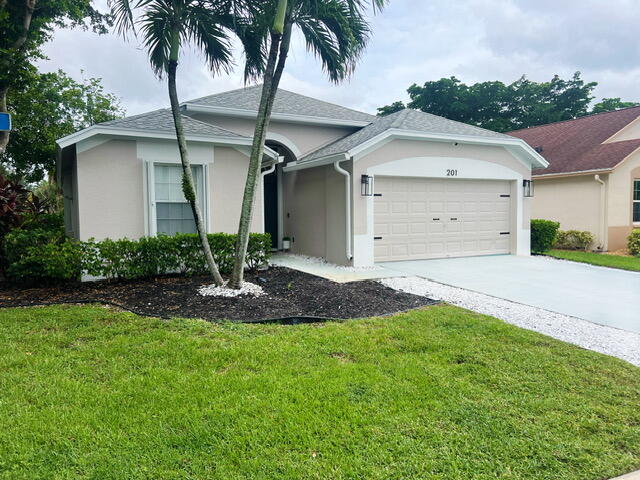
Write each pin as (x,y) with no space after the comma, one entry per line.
(527,188)
(366,185)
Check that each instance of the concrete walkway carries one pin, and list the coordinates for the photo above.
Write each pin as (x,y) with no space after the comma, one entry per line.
(601,295)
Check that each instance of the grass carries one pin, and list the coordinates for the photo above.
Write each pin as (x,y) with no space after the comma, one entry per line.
(600,259)
(439,393)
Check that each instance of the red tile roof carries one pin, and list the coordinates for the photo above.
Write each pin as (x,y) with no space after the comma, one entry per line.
(576,145)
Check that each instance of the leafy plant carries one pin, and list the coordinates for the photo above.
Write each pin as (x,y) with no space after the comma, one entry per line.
(574,240)
(543,235)
(633,242)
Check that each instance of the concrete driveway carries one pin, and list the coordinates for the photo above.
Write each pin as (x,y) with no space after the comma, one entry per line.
(601,295)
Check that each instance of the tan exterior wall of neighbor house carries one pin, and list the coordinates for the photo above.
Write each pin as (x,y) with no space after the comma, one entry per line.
(575,202)
(620,219)
(305,137)
(110,195)
(226,187)
(630,132)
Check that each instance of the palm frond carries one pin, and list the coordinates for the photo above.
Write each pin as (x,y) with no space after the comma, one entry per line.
(156,26)
(206,29)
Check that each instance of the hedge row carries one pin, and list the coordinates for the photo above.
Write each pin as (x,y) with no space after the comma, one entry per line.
(633,242)
(574,240)
(45,256)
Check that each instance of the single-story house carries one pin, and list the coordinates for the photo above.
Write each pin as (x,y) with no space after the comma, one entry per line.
(340,184)
(593,180)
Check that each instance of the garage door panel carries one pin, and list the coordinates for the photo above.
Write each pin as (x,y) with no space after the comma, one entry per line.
(431,218)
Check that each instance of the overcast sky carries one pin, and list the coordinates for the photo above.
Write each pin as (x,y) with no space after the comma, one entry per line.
(413,41)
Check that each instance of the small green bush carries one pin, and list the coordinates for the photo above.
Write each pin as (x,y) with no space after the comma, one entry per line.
(543,235)
(633,242)
(39,255)
(573,240)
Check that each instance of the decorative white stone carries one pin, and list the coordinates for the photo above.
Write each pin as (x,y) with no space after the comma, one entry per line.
(250,289)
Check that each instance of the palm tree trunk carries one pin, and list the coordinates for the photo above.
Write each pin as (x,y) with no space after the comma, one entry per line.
(275,65)
(187,175)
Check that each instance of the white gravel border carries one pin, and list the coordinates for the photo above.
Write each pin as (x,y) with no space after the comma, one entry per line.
(247,288)
(608,340)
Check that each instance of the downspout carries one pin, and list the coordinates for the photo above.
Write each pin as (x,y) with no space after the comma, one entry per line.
(603,197)
(347,205)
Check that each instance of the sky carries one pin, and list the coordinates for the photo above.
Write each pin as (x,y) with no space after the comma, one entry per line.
(413,41)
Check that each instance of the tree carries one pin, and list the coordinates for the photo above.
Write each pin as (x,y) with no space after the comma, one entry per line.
(51,106)
(25,25)
(334,30)
(501,107)
(610,104)
(167,26)
(388,109)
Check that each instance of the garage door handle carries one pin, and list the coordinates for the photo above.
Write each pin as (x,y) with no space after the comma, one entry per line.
(505,233)
(454,218)
(377,238)
(435,219)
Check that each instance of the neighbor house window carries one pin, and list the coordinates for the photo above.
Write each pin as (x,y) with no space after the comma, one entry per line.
(173,212)
(636,201)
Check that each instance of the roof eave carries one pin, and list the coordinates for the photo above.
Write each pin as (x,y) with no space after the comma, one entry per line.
(283,117)
(154,134)
(572,174)
(534,159)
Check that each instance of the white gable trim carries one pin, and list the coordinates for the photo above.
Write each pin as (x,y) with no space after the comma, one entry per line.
(518,147)
(138,134)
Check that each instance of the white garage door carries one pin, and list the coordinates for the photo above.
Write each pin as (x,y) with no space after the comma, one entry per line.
(417,218)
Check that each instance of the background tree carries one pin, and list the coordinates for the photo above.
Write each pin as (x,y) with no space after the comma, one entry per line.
(609,104)
(334,30)
(394,107)
(501,107)
(25,25)
(51,106)
(167,26)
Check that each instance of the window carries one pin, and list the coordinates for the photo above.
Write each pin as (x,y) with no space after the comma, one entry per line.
(636,201)
(173,212)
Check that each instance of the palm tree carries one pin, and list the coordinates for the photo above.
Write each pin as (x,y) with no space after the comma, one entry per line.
(167,26)
(334,30)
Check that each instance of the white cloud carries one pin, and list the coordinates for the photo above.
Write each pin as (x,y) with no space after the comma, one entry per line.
(413,41)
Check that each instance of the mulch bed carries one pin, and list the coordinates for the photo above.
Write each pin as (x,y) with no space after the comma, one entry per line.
(291,295)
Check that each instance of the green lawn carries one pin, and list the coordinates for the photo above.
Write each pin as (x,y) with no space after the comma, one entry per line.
(601,259)
(440,393)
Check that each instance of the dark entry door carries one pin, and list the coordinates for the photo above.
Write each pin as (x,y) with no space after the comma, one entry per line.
(271,207)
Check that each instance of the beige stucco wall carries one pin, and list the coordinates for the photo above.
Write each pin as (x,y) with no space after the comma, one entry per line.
(314,213)
(575,202)
(630,132)
(111,190)
(110,196)
(619,202)
(305,137)
(226,187)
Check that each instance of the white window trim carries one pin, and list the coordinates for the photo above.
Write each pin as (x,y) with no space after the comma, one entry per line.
(150,207)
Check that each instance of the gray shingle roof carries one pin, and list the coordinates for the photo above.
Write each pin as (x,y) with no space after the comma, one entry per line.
(407,119)
(162,121)
(286,102)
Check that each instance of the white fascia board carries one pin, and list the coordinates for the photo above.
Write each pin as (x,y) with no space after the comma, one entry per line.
(132,133)
(292,166)
(519,147)
(573,174)
(282,117)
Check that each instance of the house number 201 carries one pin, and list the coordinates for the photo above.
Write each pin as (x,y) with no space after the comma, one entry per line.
(452,172)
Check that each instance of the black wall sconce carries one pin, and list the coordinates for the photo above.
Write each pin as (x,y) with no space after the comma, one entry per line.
(366,185)
(527,188)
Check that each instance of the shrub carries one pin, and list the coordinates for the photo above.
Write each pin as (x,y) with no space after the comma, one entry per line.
(41,255)
(633,242)
(543,235)
(573,240)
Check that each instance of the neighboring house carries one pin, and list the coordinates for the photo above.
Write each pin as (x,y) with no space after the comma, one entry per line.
(593,180)
(343,185)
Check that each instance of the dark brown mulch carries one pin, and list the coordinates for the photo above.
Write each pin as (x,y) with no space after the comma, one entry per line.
(290,294)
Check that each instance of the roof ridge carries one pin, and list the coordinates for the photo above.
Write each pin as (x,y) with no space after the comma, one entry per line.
(220,93)
(590,115)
